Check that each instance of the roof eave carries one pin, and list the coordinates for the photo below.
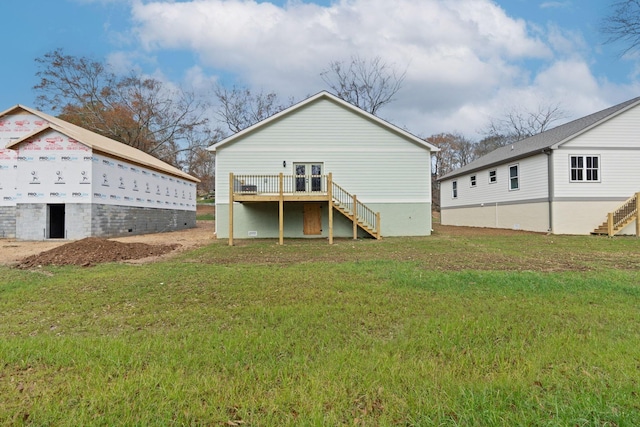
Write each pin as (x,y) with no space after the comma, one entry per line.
(331,97)
(68,133)
(456,173)
(32,134)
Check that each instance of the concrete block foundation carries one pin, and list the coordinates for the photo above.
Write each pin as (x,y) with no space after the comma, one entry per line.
(112,221)
(7,222)
(41,221)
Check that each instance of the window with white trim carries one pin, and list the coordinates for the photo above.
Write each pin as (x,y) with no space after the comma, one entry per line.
(454,189)
(472,180)
(514,178)
(493,176)
(584,168)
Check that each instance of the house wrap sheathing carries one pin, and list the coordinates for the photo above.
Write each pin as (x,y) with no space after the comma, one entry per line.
(58,180)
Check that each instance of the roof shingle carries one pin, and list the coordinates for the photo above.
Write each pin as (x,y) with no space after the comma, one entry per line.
(542,141)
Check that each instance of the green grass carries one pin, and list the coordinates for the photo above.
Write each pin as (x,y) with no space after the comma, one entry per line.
(205,217)
(522,330)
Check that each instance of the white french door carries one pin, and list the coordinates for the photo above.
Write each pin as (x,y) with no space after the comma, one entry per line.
(308,176)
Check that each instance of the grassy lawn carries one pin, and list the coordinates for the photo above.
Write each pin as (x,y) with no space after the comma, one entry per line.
(447,330)
(205,217)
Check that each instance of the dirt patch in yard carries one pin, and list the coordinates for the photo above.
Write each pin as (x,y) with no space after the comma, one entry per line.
(93,250)
(452,230)
(454,248)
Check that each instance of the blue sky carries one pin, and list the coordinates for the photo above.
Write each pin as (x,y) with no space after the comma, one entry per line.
(466,60)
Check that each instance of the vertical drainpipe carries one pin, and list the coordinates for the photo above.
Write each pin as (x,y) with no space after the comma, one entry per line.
(548,152)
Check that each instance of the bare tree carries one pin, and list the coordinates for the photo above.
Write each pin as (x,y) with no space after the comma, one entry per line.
(516,123)
(137,111)
(489,143)
(623,25)
(240,108)
(198,161)
(455,151)
(367,84)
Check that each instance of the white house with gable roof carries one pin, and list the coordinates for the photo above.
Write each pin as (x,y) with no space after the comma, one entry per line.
(323,168)
(579,178)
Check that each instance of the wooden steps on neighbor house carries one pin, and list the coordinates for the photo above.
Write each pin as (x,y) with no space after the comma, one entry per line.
(617,220)
(603,229)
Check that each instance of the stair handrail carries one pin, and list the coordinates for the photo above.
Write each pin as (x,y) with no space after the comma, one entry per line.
(342,196)
(364,214)
(623,213)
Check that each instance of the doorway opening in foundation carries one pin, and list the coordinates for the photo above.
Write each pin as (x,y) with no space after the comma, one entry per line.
(56,221)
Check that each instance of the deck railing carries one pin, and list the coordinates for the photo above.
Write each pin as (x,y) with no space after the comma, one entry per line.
(342,197)
(310,186)
(270,184)
(623,215)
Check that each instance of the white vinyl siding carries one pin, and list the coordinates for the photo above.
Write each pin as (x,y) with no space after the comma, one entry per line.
(615,143)
(620,131)
(532,180)
(377,165)
(618,175)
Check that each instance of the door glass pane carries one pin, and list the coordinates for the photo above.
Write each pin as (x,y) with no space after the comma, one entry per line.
(300,178)
(316,178)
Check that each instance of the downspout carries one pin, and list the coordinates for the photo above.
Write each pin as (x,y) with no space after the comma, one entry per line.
(550,186)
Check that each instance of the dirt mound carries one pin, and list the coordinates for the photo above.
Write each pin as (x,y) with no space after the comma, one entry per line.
(94,250)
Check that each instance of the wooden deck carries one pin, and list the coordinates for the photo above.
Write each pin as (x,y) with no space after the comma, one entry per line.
(301,188)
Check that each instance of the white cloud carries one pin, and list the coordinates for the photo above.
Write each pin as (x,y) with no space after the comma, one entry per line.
(566,42)
(465,59)
(555,4)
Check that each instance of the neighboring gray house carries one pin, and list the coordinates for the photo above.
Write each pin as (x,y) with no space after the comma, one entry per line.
(578,178)
(287,175)
(58,180)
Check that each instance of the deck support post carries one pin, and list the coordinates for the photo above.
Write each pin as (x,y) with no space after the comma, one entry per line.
(378,226)
(610,224)
(281,209)
(638,214)
(330,197)
(231,209)
(355,217)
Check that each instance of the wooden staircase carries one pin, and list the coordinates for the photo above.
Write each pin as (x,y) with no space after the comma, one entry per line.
(362,216)
(620,218)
